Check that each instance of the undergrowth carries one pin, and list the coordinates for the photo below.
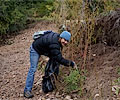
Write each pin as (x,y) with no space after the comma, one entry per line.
(74,82)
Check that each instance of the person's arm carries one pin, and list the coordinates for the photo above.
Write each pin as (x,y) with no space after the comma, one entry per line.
(55,53)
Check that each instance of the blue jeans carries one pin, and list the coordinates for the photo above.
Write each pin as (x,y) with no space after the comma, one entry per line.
(34,58)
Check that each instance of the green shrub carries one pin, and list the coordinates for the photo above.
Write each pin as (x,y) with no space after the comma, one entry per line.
(14,14)
(74,81)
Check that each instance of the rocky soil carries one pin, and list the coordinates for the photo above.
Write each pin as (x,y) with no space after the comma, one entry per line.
(14,65)
(103,71)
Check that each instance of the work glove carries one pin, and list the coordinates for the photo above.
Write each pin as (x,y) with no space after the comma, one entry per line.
(73,64)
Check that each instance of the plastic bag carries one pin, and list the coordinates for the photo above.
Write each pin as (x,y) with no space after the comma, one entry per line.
(51,72)
(48,84)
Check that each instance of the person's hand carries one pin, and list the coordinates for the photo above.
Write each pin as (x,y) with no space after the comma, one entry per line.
(73,64)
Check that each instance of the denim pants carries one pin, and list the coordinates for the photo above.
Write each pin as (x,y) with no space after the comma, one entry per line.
(34,58)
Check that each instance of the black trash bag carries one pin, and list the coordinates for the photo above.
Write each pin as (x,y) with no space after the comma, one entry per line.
(51,72)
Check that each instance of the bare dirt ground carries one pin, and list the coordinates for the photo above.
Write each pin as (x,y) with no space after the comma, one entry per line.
(103,71)
(14,65)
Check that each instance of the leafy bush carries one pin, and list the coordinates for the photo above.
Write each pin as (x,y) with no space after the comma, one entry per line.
(13,16)
(44,8)
(15,13)
(74,81)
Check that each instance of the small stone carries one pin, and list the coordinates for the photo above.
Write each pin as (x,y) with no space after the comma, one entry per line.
(96,96)
(43,98)
(14,76)
(37,93)
(57,95)
(48,99)
(40,91)
(94,55)
(52,96)
(75,98)
(47,95)
(21,94)
(40,98)
(68,97)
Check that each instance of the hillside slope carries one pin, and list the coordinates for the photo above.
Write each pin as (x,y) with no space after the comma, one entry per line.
(14,65)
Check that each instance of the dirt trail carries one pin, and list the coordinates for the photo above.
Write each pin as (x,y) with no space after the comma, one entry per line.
(14,64)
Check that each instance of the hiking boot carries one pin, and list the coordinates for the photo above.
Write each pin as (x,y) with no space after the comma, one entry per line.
(28,94)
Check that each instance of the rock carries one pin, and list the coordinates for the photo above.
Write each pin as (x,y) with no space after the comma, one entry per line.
(75,98)
(93,55)
(14,76)
(96,96)
(48,99)
(57,95)
(52,96)
(40,91)
(47,94)
(21,94)
(43,98)
(68,97)
(37,93)
(40,98)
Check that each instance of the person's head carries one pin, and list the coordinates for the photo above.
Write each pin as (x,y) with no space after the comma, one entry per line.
(65,37)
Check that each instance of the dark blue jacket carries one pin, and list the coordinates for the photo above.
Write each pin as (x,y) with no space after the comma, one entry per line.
(50,46)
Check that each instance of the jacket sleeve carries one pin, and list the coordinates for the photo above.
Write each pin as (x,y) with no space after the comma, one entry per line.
(56,54)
